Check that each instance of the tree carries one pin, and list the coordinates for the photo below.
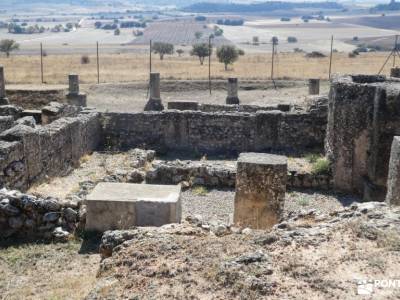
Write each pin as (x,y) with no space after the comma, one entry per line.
(198,35)
(180,52)
(162,49)
(256,40)
(202,51)
(218,31)
(228,54)
(7,46)
(275,40)
(117,31)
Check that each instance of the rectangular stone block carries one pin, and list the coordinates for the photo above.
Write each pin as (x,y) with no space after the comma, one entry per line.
(124,205)
(260,190)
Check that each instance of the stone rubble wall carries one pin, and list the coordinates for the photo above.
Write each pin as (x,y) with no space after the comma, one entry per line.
(222,175)
(227,133)
(206,107)
(28,216)
(55,110)
(30,154)
(35,99)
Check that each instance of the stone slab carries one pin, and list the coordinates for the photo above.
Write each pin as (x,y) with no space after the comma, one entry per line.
(260,190)
(124,205)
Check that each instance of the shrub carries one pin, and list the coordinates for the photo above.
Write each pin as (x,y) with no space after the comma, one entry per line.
(85,60)
(312,157)
(315,54)
(256,40)
(303,202)
(352,55)
(292,39)
(200,191)
(198,35)
(200,18)
(321,166)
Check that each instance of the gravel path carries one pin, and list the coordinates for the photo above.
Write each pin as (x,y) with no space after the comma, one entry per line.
(218,205)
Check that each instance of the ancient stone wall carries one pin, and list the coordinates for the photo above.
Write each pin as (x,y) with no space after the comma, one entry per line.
(29,154)
(364,115)
(227,133)
(31,217)
(35,99)
(222,175)
(55,110)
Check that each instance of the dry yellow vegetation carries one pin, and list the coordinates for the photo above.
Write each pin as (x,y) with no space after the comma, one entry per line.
(131,67)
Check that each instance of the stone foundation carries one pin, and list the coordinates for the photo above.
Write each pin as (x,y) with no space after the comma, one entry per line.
(222,175)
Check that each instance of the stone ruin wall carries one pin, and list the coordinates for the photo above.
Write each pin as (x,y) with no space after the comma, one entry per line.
(35,99)
(216,133)
(29,154)
(364,116)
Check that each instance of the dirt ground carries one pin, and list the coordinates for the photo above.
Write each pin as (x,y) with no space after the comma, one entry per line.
(47,271)
(308,257)
(133,97)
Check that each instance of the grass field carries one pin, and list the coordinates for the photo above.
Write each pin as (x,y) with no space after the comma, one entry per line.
(133,67)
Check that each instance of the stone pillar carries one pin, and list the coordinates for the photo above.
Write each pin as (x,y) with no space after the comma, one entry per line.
(154,103)
(260,190)
(74,97)
(232,91)
(73,84)
(313,86)
(3,98)
(395,72)
(393,184)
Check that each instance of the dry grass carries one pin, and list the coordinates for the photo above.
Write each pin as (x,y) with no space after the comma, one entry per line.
(131,67)
(46,271)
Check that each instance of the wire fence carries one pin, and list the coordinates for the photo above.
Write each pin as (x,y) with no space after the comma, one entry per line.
(99,64)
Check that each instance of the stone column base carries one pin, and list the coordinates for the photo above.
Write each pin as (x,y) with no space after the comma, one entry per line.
(77,99)
(154,105)
(232,100)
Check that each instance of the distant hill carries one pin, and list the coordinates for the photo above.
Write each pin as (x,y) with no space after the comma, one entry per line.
(391,6)
(258,7)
